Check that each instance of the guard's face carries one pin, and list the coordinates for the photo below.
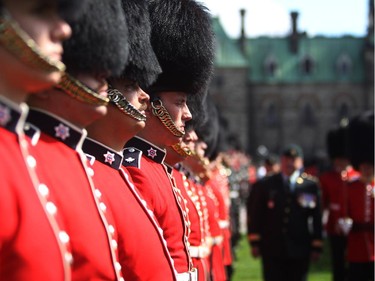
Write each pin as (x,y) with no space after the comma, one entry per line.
(189,139)
(136,97)
(177,107)
(40,20)
(98,84)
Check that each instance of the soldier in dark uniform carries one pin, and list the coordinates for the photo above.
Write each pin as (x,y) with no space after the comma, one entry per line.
(31,35)
(84,222)
(182,38)
(284,220)
(361,191)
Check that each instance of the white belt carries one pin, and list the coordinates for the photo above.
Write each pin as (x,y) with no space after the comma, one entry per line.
(217,240)
(223,224)
(188,276)
(199,251)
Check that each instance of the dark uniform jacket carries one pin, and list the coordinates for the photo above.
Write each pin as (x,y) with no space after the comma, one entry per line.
(285,223)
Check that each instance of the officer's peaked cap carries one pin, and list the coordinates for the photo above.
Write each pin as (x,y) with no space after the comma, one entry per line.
(293,151)
(183,40)
(99,40)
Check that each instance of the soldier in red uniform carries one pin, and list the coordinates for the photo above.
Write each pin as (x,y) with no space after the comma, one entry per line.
(176,154)
(360,253)
(85,223)
(182,40)
(199,166)
(142,248)
(30,50)
(334,197)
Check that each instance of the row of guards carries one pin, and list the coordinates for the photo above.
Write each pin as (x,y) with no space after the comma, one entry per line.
(110,164)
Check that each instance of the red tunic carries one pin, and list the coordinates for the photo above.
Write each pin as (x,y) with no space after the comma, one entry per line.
(142,249)
(85,216)
(144,161)
(220,187)
(216,258)
(334,196)
(27,236)
(199,250)
(361,211)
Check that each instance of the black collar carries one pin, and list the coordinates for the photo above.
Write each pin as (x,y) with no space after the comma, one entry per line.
(148,149)
(102,153)
(11,115)
(57,128)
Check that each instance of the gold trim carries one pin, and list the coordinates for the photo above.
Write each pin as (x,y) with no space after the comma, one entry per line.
(161,112)
(21,45)
(116,97)
(184,152)
(81,92)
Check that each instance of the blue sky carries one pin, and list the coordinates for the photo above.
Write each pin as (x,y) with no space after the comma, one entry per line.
(272,17)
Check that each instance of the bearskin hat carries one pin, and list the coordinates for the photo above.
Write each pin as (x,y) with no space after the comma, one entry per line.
(71,9)
(209,131)
(142,65)
(197,107)
(99,40)
(337,142)
(361,139)
(183,40)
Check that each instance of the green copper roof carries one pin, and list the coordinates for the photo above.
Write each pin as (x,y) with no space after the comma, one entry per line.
(328,56)
(227,52)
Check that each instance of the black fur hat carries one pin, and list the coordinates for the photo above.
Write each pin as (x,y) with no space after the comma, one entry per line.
(183,40)
(337,142)
(142,65)
(71,9)
(99,40)
(361,139)
(197,107)
(209,131)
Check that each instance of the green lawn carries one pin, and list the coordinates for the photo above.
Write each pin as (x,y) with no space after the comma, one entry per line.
(248,269)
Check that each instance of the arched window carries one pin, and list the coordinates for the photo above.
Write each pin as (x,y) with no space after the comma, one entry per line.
(272,119)
(308,116)
(344,64)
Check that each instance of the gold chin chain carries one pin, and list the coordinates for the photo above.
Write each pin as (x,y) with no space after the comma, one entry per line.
(161,112)
(124,105)
(21,45)
(183,151)
(81,92)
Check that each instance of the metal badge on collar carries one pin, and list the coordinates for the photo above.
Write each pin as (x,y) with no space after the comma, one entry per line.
(62,131)
(151,153)
(109,157)
(4,115)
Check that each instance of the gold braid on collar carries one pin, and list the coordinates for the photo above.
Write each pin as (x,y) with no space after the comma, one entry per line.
(81,92)
(183,151)
(116,97)
(161,112)
(21,45)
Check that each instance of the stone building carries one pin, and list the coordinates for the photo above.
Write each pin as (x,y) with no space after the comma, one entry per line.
(276,90)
